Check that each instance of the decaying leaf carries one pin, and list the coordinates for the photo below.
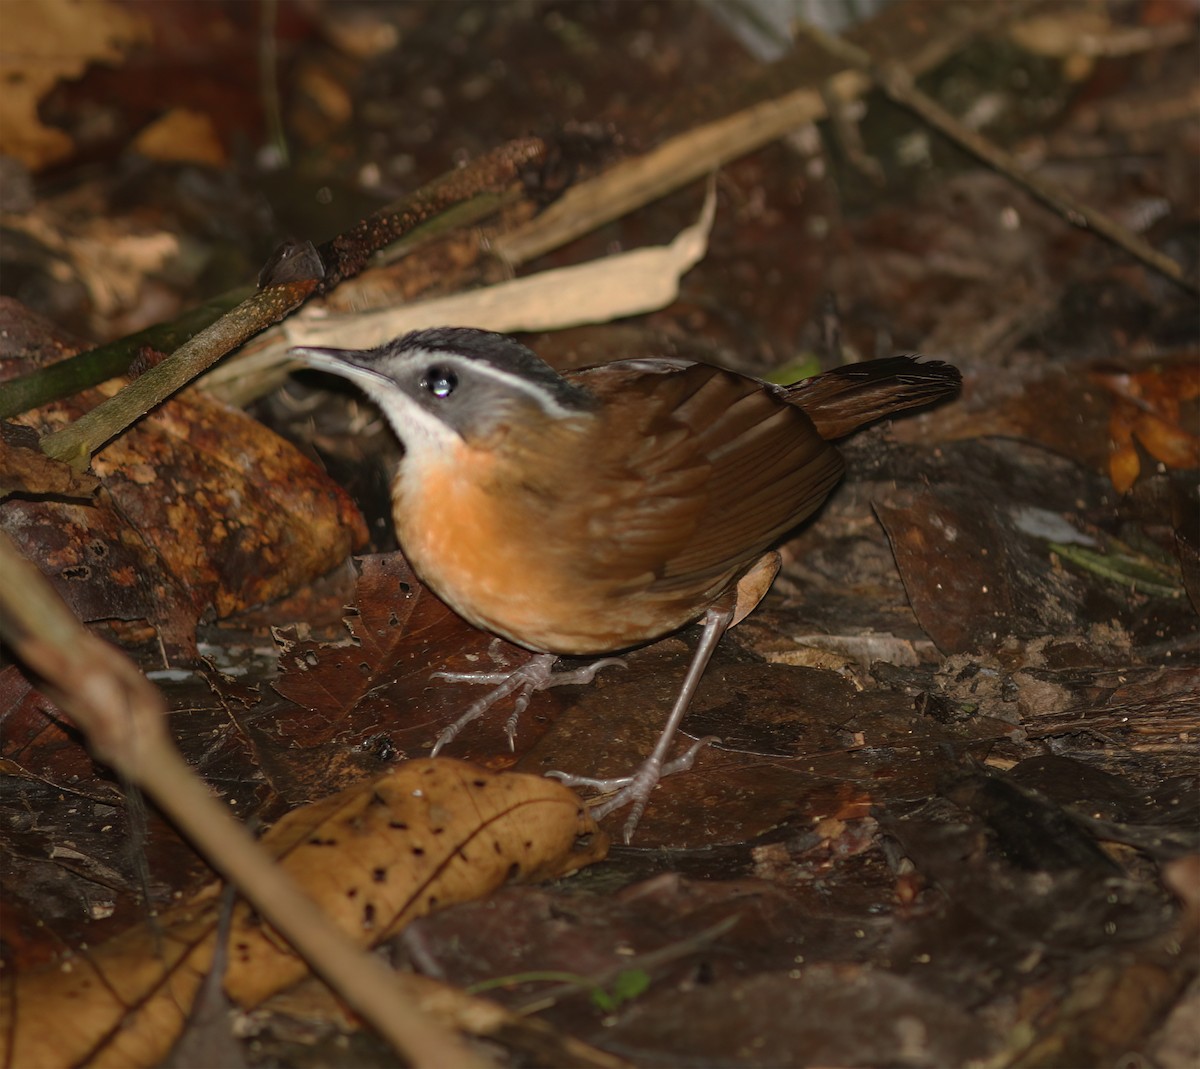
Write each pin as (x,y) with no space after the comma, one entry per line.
(1148,408)
(373,857)
(402,633)
(202,507)
(25,469)
(228,505)
(43,44)
(330,679)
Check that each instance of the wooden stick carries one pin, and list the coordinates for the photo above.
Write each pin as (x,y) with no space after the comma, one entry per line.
(123,716)
(295,274)
(896,81)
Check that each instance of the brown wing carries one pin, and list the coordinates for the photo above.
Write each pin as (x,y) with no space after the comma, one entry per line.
(711,473)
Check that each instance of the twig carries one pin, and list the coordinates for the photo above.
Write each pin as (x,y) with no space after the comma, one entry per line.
(628,185)
(290,279)
(896,81)
(348,253)
(77,441)
(90,368)
(268,76)
(702,149)
(671,165)
(123,716)
(652,959)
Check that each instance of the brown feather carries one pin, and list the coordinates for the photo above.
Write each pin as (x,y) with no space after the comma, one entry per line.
(714,473)
(623,523)
(847,398)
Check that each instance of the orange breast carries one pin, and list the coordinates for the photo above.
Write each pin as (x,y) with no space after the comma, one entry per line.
(510,561)
(480,550)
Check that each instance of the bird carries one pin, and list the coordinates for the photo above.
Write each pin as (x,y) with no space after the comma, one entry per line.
(597,510)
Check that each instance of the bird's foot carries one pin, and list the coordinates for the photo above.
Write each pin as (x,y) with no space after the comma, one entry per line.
(635,788)
(524,681)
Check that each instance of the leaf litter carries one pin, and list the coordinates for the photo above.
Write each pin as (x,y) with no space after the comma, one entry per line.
(972,849)
(418,839)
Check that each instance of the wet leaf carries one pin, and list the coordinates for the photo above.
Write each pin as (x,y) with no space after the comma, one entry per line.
(1148,408)
(373,857)
(203,510)
(400,633)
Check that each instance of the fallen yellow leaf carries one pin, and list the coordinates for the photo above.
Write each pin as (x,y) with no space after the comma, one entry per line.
(374,857)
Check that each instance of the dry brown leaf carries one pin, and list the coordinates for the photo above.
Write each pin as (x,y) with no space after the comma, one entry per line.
(1124,465)
(433,832)
(1147,406)
(374,857)
(45,43)
(1168,442)
(182,135)
(112,259)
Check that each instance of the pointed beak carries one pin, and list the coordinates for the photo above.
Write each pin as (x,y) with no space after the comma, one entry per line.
(353,364)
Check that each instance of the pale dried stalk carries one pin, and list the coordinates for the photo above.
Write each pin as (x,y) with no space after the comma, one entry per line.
(898,84)
(123,716)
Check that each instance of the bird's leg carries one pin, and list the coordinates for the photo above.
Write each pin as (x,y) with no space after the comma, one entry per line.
(524,681)
(637,787)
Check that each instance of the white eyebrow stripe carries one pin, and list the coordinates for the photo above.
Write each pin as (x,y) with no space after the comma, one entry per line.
(537,391)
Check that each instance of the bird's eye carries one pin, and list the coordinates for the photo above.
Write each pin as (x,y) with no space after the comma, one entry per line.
(439,381)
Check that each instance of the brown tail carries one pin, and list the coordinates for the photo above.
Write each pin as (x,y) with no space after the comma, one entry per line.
(841,401)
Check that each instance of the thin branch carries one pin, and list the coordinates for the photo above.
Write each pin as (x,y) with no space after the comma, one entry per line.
(294,274)
(897,83)
(77,441)
(94,366)
(123,716)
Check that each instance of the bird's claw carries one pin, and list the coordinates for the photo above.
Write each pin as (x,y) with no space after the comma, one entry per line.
(635,788)
(524,681)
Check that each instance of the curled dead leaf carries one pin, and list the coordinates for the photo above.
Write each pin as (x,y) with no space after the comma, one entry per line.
(1148,407)
(374,857)
(203,508)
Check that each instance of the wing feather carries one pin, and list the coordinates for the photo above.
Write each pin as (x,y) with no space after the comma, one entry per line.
(715,471)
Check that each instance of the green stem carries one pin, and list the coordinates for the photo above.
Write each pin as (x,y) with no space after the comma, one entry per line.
(536,976)
(289,279)
(76,443)
(66,377)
